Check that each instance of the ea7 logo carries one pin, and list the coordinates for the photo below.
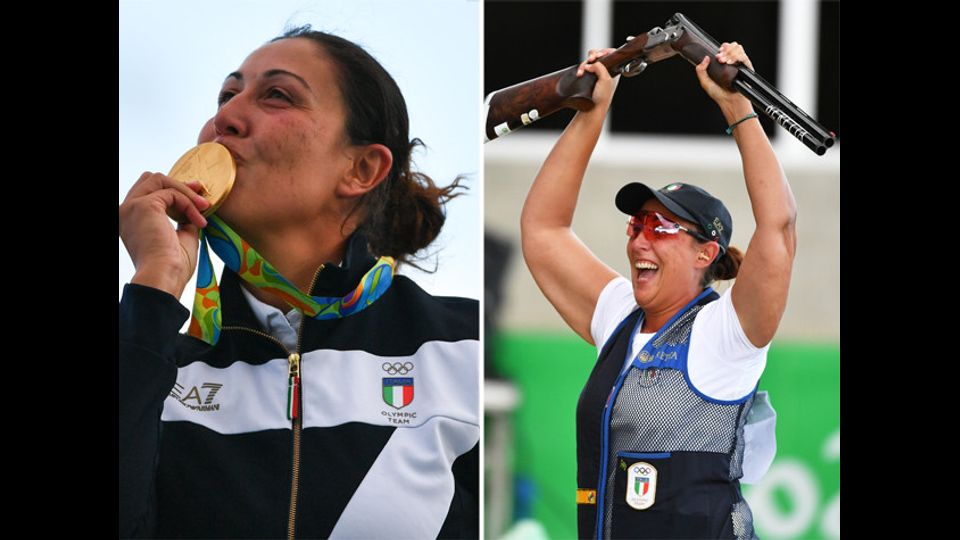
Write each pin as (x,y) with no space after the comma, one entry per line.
(204,399)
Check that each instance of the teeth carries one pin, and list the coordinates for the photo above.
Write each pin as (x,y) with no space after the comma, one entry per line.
(646,265)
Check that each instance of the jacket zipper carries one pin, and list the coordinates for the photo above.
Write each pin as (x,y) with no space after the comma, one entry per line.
(294,407)
(297,408)
(294,410)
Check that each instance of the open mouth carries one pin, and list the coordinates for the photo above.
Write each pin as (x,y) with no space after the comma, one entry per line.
(645,269)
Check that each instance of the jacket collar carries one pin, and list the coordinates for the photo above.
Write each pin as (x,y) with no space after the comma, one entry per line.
(333,281)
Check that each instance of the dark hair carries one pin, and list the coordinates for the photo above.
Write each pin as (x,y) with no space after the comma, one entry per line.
(404,213)
(725,267)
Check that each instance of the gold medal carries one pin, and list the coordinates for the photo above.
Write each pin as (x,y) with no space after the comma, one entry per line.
(212,165)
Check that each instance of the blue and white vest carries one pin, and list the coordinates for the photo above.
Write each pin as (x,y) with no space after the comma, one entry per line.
(665,460)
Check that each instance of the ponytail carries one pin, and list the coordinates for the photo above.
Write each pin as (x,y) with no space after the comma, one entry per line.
(405,213)
(724,268)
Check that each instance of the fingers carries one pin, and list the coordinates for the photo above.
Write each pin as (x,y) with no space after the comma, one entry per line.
(599,70)
(182,208)
(158,193)
(592,56)
(605,86)
(151,182)
(702,66)
(702,71)
(732,53)
(595,54)
(164,257)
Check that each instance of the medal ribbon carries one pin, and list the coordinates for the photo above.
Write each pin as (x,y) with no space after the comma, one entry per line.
(239,256)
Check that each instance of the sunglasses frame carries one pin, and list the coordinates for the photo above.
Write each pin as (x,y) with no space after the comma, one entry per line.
(659,234)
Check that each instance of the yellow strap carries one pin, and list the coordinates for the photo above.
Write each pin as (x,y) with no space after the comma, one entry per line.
(586,496)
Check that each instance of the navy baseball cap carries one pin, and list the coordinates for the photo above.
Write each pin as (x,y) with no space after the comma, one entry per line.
(687,202)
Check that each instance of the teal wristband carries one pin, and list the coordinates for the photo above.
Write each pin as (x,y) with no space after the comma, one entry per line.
(744,119)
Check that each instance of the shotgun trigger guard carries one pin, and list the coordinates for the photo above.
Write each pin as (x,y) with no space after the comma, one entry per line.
(634,67)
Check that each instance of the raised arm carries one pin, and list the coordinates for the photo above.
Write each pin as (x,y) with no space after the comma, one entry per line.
(568,273)
(760,292)
(150,318)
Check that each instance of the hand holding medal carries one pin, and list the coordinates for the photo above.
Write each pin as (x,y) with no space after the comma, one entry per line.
(165,257)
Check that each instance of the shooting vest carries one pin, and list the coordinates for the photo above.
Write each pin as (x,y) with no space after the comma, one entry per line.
(655,457)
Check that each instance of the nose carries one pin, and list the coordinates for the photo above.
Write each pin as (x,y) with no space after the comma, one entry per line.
(232,117)
(639,239)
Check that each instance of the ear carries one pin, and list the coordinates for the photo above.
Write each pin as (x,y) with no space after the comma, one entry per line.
(706,254)
(371,164)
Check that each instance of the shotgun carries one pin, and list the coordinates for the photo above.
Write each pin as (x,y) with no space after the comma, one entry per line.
(511,108)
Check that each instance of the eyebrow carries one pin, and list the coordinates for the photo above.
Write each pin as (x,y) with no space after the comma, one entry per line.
(270,74)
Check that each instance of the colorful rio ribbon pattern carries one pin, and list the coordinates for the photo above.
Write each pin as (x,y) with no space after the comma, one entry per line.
(238,256)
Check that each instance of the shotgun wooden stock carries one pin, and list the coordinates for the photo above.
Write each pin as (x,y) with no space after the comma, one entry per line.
(511,108)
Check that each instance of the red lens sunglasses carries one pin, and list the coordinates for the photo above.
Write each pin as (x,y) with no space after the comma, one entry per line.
(657,227)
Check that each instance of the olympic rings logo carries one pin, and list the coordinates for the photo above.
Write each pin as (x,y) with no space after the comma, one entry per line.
(397,368)
(641,470)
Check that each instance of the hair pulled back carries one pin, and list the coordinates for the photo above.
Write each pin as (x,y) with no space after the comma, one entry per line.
(404,213)
(725,267)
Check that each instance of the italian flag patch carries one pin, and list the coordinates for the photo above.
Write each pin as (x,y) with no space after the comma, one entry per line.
(398,391)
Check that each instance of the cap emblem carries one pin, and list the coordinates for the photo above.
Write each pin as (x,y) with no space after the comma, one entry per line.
(717,224)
